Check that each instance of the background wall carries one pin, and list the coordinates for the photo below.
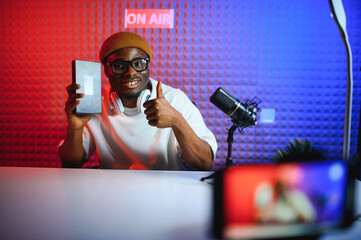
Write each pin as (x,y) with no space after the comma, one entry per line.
(287,53)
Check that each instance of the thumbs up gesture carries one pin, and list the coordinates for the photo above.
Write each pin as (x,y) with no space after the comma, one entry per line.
(159,90)
(159,112)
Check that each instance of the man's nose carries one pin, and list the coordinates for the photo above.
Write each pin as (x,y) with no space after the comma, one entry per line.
(130,70)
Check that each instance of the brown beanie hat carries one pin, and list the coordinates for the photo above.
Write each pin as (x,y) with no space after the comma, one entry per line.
(122,40)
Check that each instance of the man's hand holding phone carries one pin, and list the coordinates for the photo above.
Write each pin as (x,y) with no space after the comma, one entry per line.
(75,121)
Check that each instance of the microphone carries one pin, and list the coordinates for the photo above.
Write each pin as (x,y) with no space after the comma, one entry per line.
(242,114)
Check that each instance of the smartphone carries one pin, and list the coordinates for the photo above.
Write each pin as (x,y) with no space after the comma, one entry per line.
(88,75)
(282,200)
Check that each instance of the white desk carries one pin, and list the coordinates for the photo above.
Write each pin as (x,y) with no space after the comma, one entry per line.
(50,203)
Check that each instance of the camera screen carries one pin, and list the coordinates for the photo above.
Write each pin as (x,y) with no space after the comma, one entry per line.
(289,199)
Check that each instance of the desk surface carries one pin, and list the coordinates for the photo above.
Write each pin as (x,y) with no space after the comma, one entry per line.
(51,203)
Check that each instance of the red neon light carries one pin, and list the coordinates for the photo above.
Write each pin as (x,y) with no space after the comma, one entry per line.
(149,18)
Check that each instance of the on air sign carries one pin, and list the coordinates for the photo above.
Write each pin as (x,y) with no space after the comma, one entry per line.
(149,18)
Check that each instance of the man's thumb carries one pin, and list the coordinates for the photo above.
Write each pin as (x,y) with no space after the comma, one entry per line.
(159,89)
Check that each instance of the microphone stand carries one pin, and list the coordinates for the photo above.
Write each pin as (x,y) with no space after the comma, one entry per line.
(339,15)
(229,161)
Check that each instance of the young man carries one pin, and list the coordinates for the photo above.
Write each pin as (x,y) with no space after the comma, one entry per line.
(169,134)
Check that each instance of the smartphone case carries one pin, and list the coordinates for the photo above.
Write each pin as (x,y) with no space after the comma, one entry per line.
(88,75)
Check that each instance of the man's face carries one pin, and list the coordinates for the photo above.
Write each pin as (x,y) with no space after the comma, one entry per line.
(130,83)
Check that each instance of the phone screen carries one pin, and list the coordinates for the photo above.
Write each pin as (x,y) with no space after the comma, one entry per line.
(282,200)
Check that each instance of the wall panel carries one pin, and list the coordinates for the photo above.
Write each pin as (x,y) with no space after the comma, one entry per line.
(288,53)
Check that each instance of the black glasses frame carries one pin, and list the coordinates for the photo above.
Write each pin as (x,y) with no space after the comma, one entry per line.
(129,63)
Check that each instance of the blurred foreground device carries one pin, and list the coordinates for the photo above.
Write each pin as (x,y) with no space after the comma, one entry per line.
(283,200)
(88,75)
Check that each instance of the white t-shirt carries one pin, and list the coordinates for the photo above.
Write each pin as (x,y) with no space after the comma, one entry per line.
(126,140)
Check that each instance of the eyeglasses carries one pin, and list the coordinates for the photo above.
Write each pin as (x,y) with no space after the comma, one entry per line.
(138,64)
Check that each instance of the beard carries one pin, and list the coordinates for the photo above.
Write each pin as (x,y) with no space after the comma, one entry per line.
(132,96)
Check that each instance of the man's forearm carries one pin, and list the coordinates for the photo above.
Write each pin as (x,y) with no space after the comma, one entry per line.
(196,153)
(71,152)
